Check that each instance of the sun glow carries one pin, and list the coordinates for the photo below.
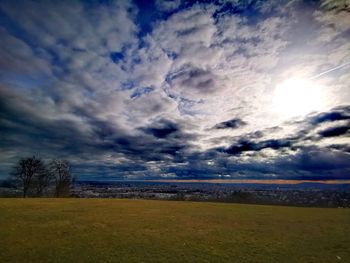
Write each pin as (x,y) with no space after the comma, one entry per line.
(297,97)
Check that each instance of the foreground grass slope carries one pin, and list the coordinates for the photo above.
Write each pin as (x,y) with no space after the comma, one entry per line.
(105,230)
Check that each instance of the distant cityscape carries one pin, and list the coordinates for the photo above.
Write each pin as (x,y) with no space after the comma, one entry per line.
(304,194)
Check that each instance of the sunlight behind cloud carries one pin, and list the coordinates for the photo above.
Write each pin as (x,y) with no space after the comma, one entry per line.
(298,97)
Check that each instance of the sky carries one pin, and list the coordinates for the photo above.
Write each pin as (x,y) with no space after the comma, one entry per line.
(222,89)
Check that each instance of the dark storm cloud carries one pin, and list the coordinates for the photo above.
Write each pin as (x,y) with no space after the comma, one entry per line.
(244,146)
(337,114)
(294,158)
(230,124)
(142,147)
(162,129)
(311,163)
(312,127)
(25,129)
(317,163)
(63,138)
(335,131)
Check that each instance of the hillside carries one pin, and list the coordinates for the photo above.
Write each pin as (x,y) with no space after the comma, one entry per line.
(110,230)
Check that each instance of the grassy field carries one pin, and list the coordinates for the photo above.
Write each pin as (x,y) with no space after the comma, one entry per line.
(107,230)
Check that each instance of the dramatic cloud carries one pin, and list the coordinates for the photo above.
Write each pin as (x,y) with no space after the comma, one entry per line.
(234,123)
(177,89)
(335,131)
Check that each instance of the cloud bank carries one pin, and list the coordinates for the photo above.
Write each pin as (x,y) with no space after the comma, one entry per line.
(184,91)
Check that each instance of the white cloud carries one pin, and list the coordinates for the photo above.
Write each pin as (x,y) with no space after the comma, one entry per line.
(167,5)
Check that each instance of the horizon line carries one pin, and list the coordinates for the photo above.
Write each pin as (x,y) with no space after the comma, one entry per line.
(238,181)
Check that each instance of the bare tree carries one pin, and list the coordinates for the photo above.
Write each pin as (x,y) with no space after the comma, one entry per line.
(25,173)
(41,181)
(60,172)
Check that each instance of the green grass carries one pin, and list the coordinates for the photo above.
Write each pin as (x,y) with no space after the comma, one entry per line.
(107,230)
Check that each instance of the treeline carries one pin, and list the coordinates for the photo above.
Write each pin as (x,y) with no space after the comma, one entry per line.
(35,178)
